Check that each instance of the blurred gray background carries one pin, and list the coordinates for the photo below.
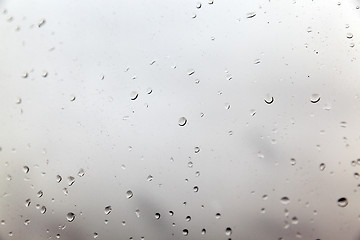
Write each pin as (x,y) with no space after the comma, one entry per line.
(101,86)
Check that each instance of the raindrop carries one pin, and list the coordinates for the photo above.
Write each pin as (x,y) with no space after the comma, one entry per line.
(18,101)
(197,149)
(322,166)
(196,189)
(269,101)
(71,180)
(149,178)
(42,22)
(171,213)
(294,220)
(95,234)
(40,194)
(70,216)
(342,202)
(285,200)
(149,91)
(44,74)
(217,215)
(210,2)
(190,164)
(185,232)
(123,223)
(58,178)
(58,235)
(188,218)
(203,231)
(182,121)
(137,213)
(66,191)
(27,222)
(26,169)
(228,231)
(72,98)
(198,5)
(250,14)
(293,161)
(265,197)
(27,202)
(252,112)
(356,175)
(197,174)
(227,106)
(315,98)
(81,172)
(157,215)
(257,61)
(309,30)
(25,74)
(43,210)
(349,35)
(133,95)
(129,194)
(107,210)
(2,222)
(191,72)
(262,210)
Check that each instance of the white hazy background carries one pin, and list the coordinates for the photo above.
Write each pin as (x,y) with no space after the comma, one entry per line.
(99,52)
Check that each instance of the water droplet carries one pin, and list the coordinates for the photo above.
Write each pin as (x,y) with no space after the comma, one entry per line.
(262,210)
(198,5)
(81,172)
(349,35)
(27,222)
(188,218)
(70,216)
(197,149)
(11,234)
(352,44)
(227,106)
(66,191)
(356,175)
(137,213)
(322,166)
(58,235)
(107,210)
(196,189)
(157,215)
(265,197)
(133,95)
(25,74)
(2,222)
(58,178)
(190,164)
(185,232)
(342,202)
(123,223)
(71,180)
(309,30)
(252,112)
(149,91)
(269,100)
(129,194)
(250,14)
(27,202)
(285,200)
(26,169)
(294,220)
(228,231)
(217,215)
(40,194)
(182,121)
(315,98)
(203,231)
(293,161)
(18,101)
(42,22)
(197,174)
(44,74)
(149,178)
(257,61)
(190,72)
(95,234)
(72,98)
(43,210)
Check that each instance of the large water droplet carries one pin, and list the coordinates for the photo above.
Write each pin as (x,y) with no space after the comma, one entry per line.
(228,231)
(285,200)
(182,121)
(342,202)
(107,210)
(70,216)
(129,194)
(133,95)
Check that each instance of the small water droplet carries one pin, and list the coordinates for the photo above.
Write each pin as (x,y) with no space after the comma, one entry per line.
(315,98)
(149,178)
(203,231)
(107,210)
(294,220)
(44,74)
(149,91)
(217,215)
(188,218)
(250,14)
(157,215)
(198,5)
(2,222)
(265,197)
(133,95)
(129,194)
(182,121)
(185,232)
(70,216)
(349,35)
(197,174)
(190,164)
(40,194)
(42,22)
(309,30)
(197,149)
(18,101)
(227,106)
(66,191)
(285,200)
(228,231)
(196,189)
(58,178)
(95,234)
(26,169)
(171,213)
(191,72)
(27,202)
(257,61)
(25,75)
(210,2)
(43,210)
(27,222)
(81,172)
(292,161)
(269,100)
(71,180)
(322,166)
(123,223)
(137,213)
